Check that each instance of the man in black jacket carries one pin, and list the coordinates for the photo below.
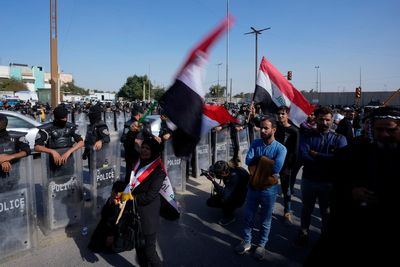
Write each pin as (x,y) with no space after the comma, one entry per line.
(232,194)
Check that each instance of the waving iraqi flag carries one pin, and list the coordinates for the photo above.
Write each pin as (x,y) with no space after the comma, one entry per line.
(183,102)
(273,90)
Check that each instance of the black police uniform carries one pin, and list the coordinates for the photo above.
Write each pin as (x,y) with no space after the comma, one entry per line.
(60,139)
(95,132)
(11,143)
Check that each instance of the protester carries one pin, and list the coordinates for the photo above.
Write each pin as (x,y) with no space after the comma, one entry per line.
(362,230)
(317,149)
(268,147)
(288,135)
(146,180)
(232,194)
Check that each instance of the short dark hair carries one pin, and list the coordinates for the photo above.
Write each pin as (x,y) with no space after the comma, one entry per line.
(270,118)
(323,111)
(283,108)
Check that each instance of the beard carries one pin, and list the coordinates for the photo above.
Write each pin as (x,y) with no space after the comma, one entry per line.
(266,136)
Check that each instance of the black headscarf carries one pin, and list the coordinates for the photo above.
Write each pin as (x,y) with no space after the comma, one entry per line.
(155,148)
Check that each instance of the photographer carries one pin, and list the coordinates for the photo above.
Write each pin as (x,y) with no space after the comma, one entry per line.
(232,193)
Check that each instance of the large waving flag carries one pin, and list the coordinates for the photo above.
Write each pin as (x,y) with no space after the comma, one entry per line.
(273,90)
(183,101)
(213,116)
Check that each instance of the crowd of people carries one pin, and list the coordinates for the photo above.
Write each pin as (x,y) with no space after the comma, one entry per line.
(349,166)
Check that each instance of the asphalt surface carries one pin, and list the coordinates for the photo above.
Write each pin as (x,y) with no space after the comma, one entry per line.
(196,239)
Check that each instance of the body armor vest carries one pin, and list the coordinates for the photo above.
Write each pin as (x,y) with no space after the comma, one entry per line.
(91,134)
(59,137)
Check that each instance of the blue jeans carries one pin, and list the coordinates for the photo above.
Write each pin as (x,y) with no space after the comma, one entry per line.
(266,199)
(310,192)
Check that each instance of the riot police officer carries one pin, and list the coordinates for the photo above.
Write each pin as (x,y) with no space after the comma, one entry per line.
(57,138)
(132,138)
(13,146)
(97,133)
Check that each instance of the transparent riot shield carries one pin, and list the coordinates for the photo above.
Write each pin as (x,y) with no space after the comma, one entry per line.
(62,191)
(108,118)
(104,171)
(176,167)
(257,133)
(243,137)
(221,145)
(203,154)
(17,209)
(82,123)
(120,122)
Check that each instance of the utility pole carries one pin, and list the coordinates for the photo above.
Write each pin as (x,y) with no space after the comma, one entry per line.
(256,33)
(227,54)
(55,89)
(218,65)
(316,83)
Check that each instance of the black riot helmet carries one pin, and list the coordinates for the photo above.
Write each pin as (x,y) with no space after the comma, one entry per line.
(95,113)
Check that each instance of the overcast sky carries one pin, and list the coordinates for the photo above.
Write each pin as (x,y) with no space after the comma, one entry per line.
(103,42)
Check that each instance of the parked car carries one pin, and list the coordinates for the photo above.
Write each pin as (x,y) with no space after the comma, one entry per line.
(21,123)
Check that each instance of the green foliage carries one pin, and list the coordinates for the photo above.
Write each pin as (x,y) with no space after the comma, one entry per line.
(216,91)
(133,88)
(74,89)
(157,93)
(12,85)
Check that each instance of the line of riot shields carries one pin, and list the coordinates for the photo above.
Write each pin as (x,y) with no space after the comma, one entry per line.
(74,193)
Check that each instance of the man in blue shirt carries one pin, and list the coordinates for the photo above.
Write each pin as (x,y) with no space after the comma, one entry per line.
(269,147)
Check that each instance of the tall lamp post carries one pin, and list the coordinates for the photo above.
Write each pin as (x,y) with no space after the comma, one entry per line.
(256,33)
(316,83)
(218,65)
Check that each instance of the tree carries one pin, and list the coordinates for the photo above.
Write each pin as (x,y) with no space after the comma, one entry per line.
(12,85)
(74,89)
(216,91)
(157,93)
(133,87)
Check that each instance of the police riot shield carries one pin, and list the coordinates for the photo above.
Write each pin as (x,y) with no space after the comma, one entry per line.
(176,167)
(82,123)
(17,209)
(203,154)
(108,118)
(221,145)
(120,122)
(243,137)
(62,191)
(256,133)
(104,171)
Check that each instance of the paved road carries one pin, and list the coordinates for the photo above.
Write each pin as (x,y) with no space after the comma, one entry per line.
(193,240)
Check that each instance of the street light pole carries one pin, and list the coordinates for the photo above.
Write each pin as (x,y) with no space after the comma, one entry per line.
(256,33)
(227,54)
(316,83)
(218,65)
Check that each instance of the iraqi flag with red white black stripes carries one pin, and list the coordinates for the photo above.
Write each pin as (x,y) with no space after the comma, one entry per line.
(183,102)
(274,90)
(213,116)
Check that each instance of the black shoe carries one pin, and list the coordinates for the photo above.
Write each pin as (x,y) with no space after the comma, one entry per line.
(226,221)
(302,239)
